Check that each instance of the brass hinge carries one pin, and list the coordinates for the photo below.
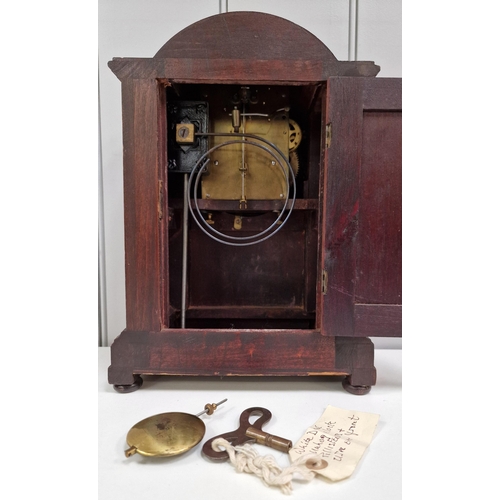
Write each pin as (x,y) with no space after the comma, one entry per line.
(328,135)
(160,199)
(324,282)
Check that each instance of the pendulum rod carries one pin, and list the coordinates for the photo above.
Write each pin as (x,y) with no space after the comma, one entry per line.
(185,217)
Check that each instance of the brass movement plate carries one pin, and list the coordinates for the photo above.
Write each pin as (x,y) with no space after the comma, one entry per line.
(264,178)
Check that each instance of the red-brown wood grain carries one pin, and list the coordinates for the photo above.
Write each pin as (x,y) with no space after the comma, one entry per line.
(378,320)
(205,352)
(142,161)
(246,35)
(379,248)
(341,203)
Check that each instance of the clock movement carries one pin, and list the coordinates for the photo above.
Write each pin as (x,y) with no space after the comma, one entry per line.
(262,191)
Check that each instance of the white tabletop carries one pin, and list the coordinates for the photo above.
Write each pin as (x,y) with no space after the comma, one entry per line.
(296,403)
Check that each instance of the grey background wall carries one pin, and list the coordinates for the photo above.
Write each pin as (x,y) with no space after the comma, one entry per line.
(367,30)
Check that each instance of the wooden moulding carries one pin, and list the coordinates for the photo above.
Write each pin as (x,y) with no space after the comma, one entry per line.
(231,71)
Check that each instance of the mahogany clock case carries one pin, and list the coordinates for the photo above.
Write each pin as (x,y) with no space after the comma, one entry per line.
(304,301)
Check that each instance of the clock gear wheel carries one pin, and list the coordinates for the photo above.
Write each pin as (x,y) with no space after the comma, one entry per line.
(295,135)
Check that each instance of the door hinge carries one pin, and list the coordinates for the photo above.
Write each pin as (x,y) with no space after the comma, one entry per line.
(328,135)
(324,282)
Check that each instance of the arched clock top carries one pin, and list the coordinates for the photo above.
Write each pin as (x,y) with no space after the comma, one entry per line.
(245,35)
(253,44)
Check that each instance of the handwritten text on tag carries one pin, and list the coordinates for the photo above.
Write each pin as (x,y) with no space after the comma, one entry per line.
(340,438)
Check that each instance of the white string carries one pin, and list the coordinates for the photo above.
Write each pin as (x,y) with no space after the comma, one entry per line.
(246,459)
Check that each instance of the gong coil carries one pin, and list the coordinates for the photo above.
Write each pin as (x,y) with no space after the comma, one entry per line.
(271,230)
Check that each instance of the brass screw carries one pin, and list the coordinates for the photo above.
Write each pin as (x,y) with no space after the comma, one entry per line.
(183,132)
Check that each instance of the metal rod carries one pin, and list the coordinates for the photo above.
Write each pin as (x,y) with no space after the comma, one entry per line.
(243,172)
(185,217)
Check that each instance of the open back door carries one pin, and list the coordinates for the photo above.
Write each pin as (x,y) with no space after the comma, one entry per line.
(361,205)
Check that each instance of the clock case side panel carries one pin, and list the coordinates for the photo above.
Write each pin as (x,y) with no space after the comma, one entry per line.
(145,190)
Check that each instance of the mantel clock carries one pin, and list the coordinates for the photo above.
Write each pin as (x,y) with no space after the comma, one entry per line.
(262,188)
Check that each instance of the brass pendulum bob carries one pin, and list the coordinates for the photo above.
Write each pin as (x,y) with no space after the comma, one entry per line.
(168,434)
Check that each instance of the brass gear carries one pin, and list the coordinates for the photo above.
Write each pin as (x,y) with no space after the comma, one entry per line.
(295,135)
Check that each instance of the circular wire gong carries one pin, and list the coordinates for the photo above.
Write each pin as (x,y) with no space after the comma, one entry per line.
(165,435)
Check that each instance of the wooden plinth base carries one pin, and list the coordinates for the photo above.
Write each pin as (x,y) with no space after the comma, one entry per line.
(240,353)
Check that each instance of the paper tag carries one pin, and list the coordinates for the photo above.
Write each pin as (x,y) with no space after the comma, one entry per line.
(340,438)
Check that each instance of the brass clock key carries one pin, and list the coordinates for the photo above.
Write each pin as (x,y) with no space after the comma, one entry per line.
(248,433)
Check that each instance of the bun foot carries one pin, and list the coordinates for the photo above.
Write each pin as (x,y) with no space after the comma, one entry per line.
(123,389)
(358,390)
